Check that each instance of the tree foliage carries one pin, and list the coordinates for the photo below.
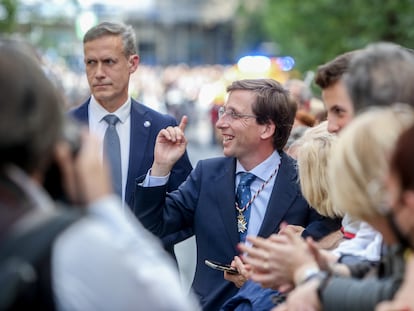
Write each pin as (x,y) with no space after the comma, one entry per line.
(250,29)
(313,32)
(8,11)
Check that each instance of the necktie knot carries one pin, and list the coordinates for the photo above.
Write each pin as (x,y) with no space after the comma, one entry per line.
(111,119)
(246,179)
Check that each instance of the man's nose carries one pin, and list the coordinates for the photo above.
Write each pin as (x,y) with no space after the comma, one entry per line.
(99,71)
(221,122)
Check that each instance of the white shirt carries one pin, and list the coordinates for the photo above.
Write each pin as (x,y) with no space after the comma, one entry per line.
(108,261)
(98,126)
(367,242)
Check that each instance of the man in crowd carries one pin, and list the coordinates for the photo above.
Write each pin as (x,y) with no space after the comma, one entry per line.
(255,123)
(110,55)
(51,260)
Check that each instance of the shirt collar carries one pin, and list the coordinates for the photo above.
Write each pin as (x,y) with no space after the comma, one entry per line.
(36,194)
(100,112)
(264,169)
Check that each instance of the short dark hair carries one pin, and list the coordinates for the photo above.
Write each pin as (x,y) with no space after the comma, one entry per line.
(402,163)
(331,72)
(103,29)
(273,103)
(31,115)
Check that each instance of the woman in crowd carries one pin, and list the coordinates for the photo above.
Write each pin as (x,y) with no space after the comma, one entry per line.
(357,171)
(401,200)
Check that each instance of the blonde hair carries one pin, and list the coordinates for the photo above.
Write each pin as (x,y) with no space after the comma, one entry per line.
(313,156)
(360,160)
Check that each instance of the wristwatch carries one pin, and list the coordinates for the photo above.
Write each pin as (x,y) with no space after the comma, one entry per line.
(316,274)
(308,274)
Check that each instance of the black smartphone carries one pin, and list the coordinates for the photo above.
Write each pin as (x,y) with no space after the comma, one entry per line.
(221,266)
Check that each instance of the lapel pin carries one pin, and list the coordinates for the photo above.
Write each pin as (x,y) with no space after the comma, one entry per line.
(147,124)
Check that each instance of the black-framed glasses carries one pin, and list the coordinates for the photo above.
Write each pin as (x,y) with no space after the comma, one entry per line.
(233,115)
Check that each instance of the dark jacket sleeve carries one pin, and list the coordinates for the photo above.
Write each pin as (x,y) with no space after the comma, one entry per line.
(179,173)
(344,294)
(153,199)
(320,226)
(166,213)
(341,293)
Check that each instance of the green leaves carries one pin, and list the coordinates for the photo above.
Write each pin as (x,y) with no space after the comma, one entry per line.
(8,11)
(315,31)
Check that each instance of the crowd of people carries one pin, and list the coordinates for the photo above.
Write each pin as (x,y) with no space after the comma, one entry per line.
(309,208)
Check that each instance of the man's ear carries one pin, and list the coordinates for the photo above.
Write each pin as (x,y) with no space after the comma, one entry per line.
(268,130)
(133,63)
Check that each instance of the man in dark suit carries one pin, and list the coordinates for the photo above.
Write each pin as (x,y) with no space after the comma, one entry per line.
(255,124)
(110,58)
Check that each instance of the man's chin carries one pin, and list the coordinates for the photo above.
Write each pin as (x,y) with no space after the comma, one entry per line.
(102,96)
(227,152)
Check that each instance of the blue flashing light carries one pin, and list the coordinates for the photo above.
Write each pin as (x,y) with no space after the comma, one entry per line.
(286,63)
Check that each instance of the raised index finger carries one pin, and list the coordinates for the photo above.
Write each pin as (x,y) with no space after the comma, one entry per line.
(183,123)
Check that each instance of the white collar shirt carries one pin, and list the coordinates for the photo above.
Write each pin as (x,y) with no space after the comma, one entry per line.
(98,127)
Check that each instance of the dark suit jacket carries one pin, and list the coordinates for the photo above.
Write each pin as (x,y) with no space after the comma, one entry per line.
(205,202)
(141,154)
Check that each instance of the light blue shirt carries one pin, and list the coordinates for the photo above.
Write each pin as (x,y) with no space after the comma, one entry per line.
(258,207)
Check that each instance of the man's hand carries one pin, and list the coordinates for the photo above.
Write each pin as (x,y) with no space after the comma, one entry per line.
(265,267)
(241,278)
(275,261)
(85,178)
(302,298)
(169,147)
(92,171)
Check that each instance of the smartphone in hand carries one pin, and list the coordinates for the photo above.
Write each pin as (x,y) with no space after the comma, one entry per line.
(221,266)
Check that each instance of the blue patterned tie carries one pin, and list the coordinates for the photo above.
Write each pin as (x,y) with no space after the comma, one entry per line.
(112,150)
(243,196)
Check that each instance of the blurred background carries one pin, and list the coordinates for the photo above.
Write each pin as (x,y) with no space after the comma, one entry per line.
(191,50)
(185,44)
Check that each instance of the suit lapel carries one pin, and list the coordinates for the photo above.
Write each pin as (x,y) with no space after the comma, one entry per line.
(82,113)
(139,136)
(284,193)
(225,200)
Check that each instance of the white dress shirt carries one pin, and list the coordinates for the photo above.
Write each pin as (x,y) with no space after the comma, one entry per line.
(367,242)
(108,261)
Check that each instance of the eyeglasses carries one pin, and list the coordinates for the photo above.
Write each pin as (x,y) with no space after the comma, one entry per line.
(233,115)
